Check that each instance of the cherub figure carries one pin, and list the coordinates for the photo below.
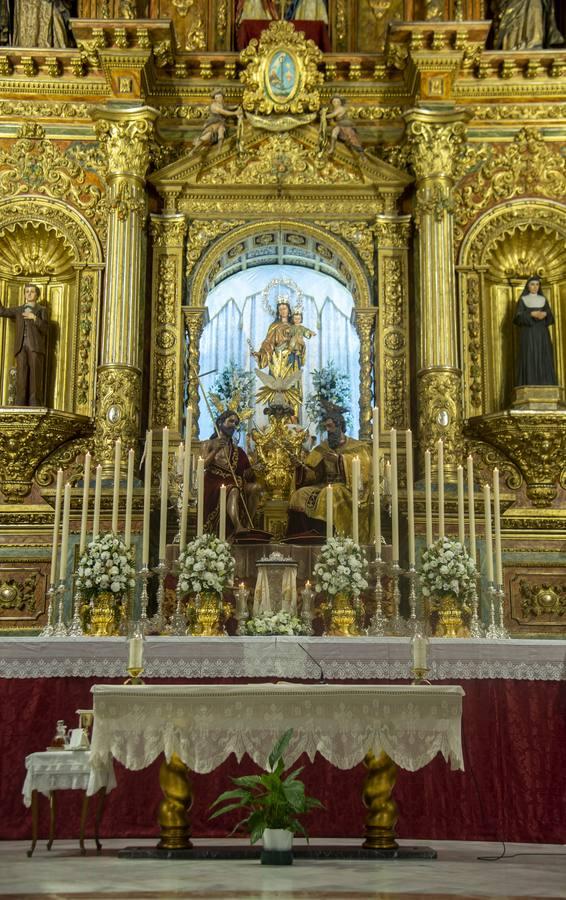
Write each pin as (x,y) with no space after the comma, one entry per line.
(343,129)
(214,129)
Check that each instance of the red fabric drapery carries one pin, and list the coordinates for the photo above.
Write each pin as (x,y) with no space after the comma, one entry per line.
(514,786)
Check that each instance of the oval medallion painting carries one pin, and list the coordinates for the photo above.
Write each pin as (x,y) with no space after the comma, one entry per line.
(281,76)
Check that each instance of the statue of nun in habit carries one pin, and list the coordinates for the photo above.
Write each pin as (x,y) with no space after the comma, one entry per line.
(534,316)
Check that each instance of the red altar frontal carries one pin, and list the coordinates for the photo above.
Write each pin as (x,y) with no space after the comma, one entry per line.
(513,730)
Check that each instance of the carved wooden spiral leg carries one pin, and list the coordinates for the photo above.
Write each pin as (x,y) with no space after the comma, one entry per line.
(174,808)
(382,809)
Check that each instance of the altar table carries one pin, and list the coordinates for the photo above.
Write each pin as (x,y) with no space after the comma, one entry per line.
(513,731)
(201,725)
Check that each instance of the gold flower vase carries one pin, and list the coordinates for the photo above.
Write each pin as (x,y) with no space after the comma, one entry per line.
(206,618)
(343,617)
(105,614)
(450,620)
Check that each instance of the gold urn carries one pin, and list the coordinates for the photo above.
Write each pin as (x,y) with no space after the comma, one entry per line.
(205,614)
(450,621)
(343,616)
(103,615)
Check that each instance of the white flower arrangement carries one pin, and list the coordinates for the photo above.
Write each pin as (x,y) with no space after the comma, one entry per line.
(278,623)
(341,568)
(206,564)
(447,568)
(106,565)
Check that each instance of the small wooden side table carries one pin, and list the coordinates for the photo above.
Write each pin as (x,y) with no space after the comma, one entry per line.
(58,770)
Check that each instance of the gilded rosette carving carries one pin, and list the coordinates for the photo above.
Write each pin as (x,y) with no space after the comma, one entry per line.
(117,412)
(18,595)
(439,398)
(534,442)
(542,600)
(364,320)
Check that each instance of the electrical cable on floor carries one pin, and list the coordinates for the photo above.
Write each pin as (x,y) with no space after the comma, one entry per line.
(504,854)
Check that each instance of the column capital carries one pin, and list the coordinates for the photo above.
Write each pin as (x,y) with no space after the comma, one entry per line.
(168,230)
(125,135)
(436,141)
(392,232)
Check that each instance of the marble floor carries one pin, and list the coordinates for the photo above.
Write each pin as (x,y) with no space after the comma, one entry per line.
(528,871)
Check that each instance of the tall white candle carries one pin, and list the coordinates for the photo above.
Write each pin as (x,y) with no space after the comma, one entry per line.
(129,499)
(222,513)
(394,497)
(84,511)
(56,522)
(135,654)
(410,496)
(200,496)
(186,483)
(497,529)
(148,453)
(376,484)
(428,497)
(355,499)
(329,512)
(65,533)
(471,508)
(97,501)
(116,485)
(460,482)
(488,535)
(164,493)
(419,652)
(179,457)
(441,526)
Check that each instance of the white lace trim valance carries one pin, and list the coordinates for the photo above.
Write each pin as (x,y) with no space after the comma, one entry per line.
(204,724)
(354,659)
(58,770)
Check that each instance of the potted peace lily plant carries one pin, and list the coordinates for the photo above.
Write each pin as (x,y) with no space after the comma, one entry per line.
(273,802)
(447,577)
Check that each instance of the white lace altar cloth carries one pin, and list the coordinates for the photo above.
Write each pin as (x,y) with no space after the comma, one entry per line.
(203,724)
(60,770)
(352,659)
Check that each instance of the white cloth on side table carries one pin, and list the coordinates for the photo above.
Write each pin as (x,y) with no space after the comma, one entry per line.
(59,770)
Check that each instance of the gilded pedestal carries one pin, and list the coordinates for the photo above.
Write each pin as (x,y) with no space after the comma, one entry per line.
(174,809)
(382,814)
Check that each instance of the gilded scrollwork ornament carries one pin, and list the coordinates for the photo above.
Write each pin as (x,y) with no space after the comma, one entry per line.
(437,149)
(201,234)
(359,235)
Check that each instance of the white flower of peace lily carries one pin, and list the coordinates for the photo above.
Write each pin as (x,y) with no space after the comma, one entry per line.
(206,564)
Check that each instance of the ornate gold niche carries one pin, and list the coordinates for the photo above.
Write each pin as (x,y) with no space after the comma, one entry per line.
(277,182)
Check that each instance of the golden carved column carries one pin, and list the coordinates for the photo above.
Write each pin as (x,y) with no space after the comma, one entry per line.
(436,142)
(382,814)
(392,371)
(196,317)
(167,326)
(125,135)
(364,320)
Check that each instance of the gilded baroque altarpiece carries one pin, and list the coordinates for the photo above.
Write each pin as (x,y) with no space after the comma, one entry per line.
(459,195)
